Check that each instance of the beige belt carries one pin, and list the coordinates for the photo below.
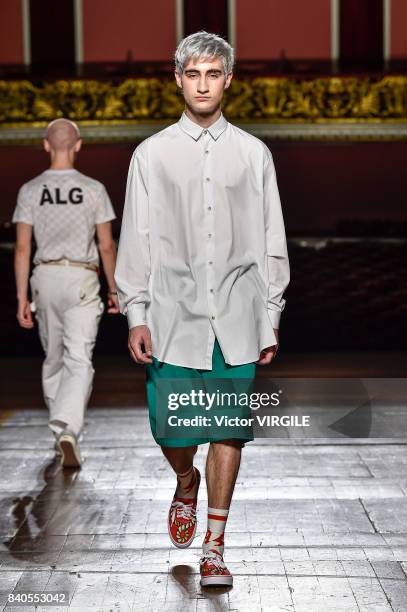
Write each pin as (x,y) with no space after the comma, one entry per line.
(68,262)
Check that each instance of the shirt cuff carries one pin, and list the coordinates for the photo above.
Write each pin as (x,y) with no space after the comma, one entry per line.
(105,219)
(274,316)
(136,315)
(22,220)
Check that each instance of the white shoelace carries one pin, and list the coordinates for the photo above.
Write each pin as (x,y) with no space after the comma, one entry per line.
(215,559)
(181,510)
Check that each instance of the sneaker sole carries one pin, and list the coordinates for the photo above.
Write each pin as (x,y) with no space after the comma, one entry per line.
(68,456)
(217,581)
(177,544)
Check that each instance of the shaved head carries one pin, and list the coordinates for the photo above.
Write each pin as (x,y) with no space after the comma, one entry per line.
(62,135)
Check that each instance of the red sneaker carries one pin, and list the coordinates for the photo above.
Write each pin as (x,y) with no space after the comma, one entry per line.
(213,570)
(182,518)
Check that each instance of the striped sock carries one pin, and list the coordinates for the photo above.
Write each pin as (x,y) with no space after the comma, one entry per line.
(217,518)
(187,482)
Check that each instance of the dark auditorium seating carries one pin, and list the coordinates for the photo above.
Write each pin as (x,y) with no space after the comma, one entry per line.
(344,294)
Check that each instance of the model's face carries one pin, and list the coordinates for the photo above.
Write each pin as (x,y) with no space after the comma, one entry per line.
(203,84)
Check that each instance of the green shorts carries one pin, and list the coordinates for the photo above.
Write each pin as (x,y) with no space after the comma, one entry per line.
(158,371)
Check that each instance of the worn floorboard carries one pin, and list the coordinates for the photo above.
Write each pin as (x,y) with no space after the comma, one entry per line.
(313,526)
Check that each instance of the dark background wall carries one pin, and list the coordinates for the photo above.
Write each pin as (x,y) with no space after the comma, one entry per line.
(52,33)
(347,295)
(321,184)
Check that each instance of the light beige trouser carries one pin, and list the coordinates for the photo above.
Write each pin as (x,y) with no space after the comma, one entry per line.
(68,311)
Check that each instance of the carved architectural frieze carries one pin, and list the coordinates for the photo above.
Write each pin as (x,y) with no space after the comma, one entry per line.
(276,106)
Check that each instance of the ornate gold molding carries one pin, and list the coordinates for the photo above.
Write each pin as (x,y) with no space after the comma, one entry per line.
(265,101)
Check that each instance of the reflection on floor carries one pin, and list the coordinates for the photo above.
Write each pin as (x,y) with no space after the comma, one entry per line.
(313,527)
(120,382)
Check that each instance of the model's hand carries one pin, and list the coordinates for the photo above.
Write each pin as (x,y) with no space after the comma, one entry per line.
(139,339)
(113,304)
(24,315)
(269,353)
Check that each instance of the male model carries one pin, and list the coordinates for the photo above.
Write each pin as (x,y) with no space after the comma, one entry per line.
(63,207)
(202,267)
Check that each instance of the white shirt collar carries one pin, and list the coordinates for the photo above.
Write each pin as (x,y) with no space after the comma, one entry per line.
(195,130)
(61,170)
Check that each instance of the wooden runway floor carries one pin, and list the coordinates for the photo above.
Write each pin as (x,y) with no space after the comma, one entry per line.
(313,526)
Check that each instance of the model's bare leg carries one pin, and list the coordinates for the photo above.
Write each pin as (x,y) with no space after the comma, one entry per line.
(182,512)
(222,468)
(180,459)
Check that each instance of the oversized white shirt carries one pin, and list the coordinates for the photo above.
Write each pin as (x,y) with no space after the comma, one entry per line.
(202,250)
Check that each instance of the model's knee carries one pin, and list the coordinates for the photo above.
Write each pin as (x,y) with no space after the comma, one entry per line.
(53,362)
(78,357)
(231,443)
(180,458)
(179,452)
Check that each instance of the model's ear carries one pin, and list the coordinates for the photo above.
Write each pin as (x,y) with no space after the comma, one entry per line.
(178,78)
(46,145)
(228,80)
(78,145)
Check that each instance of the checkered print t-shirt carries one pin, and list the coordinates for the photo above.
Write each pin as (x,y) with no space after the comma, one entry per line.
(63,206)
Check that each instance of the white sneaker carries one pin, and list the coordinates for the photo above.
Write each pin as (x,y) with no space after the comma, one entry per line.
(69,449)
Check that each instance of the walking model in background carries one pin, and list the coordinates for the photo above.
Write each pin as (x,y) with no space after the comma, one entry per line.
(64,209)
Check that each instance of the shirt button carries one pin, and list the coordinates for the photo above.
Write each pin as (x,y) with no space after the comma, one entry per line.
(210,262)
(209,235)
(206,151)
(211,290)
(209,207)
(207,178)
(212,317)
(205,131)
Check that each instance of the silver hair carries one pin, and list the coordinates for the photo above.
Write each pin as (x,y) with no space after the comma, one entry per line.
(204,45)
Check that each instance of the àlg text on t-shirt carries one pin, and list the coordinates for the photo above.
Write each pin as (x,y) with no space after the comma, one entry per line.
(60,196)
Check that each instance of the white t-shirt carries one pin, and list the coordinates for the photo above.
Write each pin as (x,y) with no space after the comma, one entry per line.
(63,206)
